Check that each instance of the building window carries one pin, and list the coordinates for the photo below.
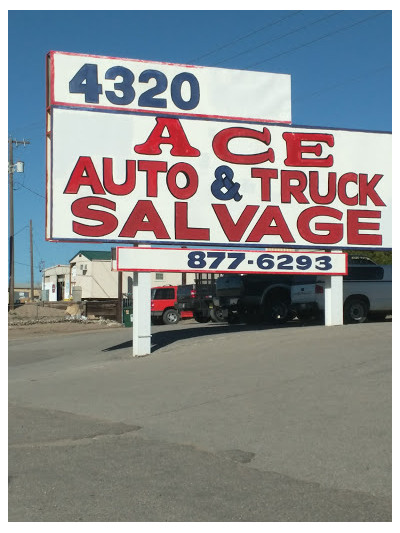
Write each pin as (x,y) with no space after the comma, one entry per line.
(159,276)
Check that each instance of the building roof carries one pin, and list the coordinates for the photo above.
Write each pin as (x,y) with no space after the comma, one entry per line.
(94,255)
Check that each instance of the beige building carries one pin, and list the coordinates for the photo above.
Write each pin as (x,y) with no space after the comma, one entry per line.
(22,293)
(90,275)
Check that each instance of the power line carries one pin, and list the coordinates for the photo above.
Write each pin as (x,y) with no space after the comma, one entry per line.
(36,247)
(19,231)
(344,82)
(292,14)
(291,32)
(344,28)
(30,190)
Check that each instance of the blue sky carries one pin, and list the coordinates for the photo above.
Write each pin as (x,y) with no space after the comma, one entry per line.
(339,61)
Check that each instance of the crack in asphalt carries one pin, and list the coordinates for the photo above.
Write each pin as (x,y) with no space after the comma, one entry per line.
(75,441)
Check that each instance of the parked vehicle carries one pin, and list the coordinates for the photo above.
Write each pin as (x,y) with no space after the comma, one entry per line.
(163,301)
(254,297)
(367,292)
(200,300)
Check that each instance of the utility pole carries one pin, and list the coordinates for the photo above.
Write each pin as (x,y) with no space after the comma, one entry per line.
(31,246)
(11,169)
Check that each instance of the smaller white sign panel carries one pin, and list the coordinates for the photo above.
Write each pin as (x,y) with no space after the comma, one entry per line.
(224,261)
(132,85)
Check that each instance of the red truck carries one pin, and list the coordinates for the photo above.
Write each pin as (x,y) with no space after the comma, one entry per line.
(163,300)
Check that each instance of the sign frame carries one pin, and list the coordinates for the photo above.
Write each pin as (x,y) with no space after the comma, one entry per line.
(252,131)
(138,259)
(281,199)
(165,79)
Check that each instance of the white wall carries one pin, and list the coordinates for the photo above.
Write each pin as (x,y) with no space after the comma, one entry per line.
(49,280)
(97,280)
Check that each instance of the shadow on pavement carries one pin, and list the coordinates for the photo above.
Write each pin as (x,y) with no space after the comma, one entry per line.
(160,339)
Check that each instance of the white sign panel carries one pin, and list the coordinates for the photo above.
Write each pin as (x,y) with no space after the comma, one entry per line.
(168,180)
(131,85)
(230,261)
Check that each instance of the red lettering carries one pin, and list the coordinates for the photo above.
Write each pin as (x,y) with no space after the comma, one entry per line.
(266,174)
(152,168)
(192,181)
(295,190)
(264,227)
(119,189)
(234,232)
(85,175)
(295,149)
(335,231)
(314,188)
(81,208)
(354,225)
(221,140)
(367,189)
(177,138)
(182,230)
(136,221)
(349,177)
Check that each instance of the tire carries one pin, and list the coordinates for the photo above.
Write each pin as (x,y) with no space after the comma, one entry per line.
(200,318)
(355,311)
(170,317)
(277,309)
(216,314)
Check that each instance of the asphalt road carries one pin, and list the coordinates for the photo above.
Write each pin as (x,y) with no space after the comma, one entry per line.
(220,423)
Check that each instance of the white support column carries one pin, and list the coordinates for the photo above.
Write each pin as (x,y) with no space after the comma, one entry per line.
(333,300)
(141,313)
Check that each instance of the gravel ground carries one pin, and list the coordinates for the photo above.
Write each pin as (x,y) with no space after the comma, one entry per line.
(38,319)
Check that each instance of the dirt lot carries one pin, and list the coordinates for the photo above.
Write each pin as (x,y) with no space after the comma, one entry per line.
(39,319)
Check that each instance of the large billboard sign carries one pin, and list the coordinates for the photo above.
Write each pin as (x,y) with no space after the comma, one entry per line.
(184,179)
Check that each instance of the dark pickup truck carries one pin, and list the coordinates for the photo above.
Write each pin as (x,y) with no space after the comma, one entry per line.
(239,298)
(254,297)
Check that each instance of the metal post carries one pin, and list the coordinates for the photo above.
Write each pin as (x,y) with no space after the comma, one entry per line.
(11,215)
(119,299)
(31,248)
(11,221)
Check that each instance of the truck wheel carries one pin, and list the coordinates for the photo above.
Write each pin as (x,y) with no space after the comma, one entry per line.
(277,310)
(170,316)
(199,317)
(355,311)
(216,314)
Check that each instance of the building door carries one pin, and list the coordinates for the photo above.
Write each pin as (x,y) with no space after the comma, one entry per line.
(60,287)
